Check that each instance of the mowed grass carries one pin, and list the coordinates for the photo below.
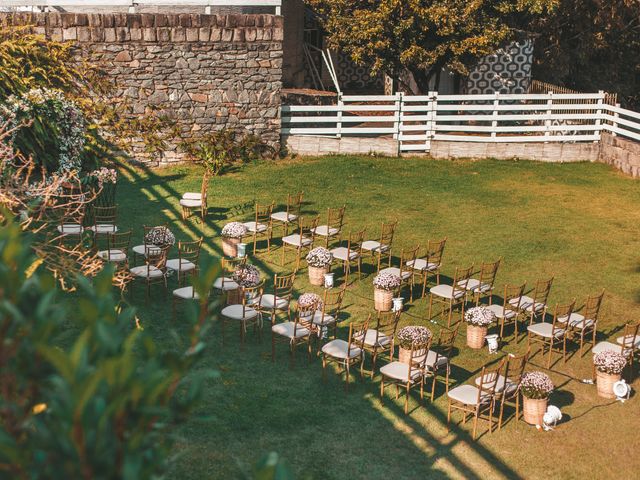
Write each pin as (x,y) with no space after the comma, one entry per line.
(578,222)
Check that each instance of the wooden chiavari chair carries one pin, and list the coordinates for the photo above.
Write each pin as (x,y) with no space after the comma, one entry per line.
(508,311)
(381,338)
(154,270)
(430,263)
(187,261)
(225,284)
(451,296)
(301,330)
(350,254)
(117,250)
(536,305)
(261,226)
(484,285)
(290,214)
(192,202)
(381,248)
(582,325)
(551,334)
(280,300)
(626,345)
(404,270)
(439,358)
(329,313)
(344,353)
(333,228)
(242,313)
(302,240)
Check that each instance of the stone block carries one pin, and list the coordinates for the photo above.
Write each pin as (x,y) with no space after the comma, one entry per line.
(178,34)
(70,33)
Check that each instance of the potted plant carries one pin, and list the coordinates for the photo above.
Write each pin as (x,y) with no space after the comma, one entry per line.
(247,276)
(319,260)
(309,299)
(232,234)
(384,284)
(160,236)
(413,336)
(536,388)
(609,366)
(478,320)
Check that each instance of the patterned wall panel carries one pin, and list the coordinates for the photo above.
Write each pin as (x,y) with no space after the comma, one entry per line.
(506,71)
(356,77)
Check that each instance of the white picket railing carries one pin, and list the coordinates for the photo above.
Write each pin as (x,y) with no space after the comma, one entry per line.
(417,120)
(132,4)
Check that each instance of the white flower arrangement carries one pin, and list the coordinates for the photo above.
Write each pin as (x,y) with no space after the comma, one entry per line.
(609,362)
(319,257)
(105,175)
(246,276)
(160,236)
(234,230)
(536,385)
(387,281)
(416,336)
(480,316)
(307,300)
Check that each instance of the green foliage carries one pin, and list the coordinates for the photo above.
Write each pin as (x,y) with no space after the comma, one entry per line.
(424,36)
(86,393)
(591,46)
(221,149)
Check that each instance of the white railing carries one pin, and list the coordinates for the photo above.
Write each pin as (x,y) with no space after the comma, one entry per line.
(132,4)
(417,120)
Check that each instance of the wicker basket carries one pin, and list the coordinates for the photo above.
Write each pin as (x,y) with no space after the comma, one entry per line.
(534,410)
(383,299)
(404,355)
(316,275)
(605,381)
(230,246)
(476,336)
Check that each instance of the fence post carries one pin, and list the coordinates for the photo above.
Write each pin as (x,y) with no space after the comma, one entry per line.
(431,119)
(339,115)
(547,122)
(398,114)
(494,123)
(598,114)
(615,124)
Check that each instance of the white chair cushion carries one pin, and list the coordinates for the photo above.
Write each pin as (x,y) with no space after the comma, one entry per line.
(254,227)
(545,330)
(186,293)
(103,228)
(325,231)
(286,329)
(225,284)
(296,240)
(189,203)
(526,303)
(146,271)
(235,312)
(422,264)
(606,346)
(435,361)
(318,319)
(370,338)
(341,254)
(446,291)
(473,285)
(268,301)
(576,321)
(112,255)
(400,371)
(488,382)
(283,217)
(499,311)
(70,229)
(468,395)
(185,266)
(140,250)
(192,196)
(628,340)
(396,271)
(340,349)
(373,246)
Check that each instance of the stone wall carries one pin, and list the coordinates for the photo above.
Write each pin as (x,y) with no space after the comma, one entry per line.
(555,152)
(620,152)
(318,145)
(204,71)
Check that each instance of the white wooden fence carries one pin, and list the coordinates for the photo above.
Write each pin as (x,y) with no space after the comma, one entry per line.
(417,120)
(132,4)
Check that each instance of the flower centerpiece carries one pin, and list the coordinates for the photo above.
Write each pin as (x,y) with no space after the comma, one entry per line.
(160,236)
(536,388)
(105,180)
(246,276)
(384,284)
(413,336)
(609,366)
(478,320)
(308,300)
(232,234)
(319,260)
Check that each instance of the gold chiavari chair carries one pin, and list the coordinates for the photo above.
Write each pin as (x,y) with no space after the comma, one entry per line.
(626,345)
(261,226)
(484,285)
(140,250)
(302,240)
(187,261)
(381,248)
(290,214)
(154,270)
(301,330)
(344,353)
(328,314)
(350,254)
(451,296)
(333,227)
(536,305)
(404,269)
(225,284)
(242,313)
(508,311)
(439,358)
(430,263)
(586,323)
(280,300)
(117,250)
(193,202)
(381,338)
(551,334)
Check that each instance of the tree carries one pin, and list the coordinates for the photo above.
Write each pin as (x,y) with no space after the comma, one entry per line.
(424,36)
(84,393)
(592,45)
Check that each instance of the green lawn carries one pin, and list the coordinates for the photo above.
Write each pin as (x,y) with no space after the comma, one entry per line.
(578,222)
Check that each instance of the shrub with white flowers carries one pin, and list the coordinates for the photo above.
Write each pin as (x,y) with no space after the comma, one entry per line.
(246,276)
(160,236)
(479,316)
(307,300)
(609,362)
(416,336)
(387,281)
(319,257)
(234,230)
(536,385)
